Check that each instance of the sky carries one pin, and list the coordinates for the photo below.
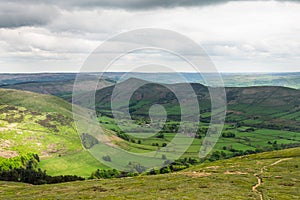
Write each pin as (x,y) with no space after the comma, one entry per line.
(238,36)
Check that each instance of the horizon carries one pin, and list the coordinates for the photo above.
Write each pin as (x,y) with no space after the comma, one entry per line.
(185,72)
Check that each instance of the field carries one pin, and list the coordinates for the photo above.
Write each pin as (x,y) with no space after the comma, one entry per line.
(246,138)
(235,178)
(81,163)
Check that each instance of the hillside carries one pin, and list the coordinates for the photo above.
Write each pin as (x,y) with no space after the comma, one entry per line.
(271,175)
(42,124)
(60,85)
(262,107)
(258,118)
(45,125)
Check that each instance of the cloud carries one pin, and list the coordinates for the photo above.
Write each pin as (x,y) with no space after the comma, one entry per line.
(132,4)
(148,4)
(18,14)
(58,36)
(36,13)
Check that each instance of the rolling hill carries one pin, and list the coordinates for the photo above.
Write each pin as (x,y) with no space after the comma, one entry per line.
(42,124)
(60,85)
(271,175)
(262,107)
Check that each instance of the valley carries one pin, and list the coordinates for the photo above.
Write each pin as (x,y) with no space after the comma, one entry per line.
(260,138)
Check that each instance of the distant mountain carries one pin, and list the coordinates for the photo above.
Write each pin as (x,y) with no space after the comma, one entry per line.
(11,79)
(288,79)
(266,106)
(58,84)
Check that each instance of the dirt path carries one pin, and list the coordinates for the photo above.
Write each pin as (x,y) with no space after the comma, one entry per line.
(259,179)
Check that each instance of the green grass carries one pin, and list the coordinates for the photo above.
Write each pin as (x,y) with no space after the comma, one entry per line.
(42,124)
(81,163)
(243,140)
(34,101)
(224,179)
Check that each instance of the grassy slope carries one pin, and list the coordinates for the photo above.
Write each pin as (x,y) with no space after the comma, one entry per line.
(261,107)
(224,179)
(35,102)
(60,88)
(21,132)
(81,163)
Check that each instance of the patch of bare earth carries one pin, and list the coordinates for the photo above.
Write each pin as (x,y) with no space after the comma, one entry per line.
(195,174)
(51,149)
(259,179)
(4,152)
(212,167)
(8,153)
(235,172)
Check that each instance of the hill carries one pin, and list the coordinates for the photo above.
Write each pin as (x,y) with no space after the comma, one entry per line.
(42,124)
(60,84)
(46,127)
(288,79)
(271,175)
(262,107)
(258,118)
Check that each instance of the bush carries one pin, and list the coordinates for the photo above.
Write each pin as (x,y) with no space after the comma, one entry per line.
(88,141)
(36,177)
(105,174)
(107,158)
(228,135)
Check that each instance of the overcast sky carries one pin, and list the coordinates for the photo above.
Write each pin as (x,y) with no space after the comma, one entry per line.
(239,36)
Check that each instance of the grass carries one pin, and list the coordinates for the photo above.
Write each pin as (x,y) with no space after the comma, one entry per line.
(35,102)
(80,163)
(42,124)
(243,140)
(224,179)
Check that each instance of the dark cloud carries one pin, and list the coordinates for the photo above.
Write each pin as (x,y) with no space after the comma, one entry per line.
(132,4)
(26,14)
(140,4)
(148,4)
(16,13)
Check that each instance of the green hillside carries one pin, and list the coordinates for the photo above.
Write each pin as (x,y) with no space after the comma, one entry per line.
(42,124)
(258,118)
(61,88)
(272,175)
(262,107)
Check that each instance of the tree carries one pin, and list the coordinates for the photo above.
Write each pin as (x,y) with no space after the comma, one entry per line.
(107,158)
(228,135)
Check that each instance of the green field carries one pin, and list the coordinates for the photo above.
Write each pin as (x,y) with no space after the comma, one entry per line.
(225,179)
(243,140)
(80,163)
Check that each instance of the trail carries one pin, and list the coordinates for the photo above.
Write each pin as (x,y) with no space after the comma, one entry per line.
(259,179)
